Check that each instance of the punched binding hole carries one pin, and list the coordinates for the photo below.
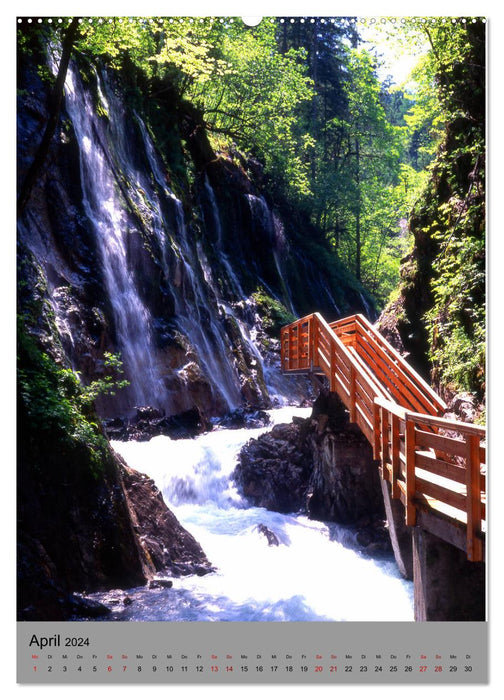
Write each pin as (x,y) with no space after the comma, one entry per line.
(251,21)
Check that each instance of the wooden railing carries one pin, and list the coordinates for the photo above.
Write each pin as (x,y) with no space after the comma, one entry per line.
(434,465)
(406,387)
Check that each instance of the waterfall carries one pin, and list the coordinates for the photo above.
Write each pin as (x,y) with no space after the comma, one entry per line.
(281,248)
(107,214)
(315,573)
(200,322)
(236,287)
(196,312)
(139,226)
(370,313)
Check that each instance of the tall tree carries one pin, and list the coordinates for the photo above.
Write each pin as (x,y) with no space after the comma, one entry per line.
(54,111)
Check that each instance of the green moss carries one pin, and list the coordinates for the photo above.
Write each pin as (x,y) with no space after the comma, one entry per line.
(273,313)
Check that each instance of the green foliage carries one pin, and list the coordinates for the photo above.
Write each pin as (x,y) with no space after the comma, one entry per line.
(449,218)
(57,409)
(256,102)
(273,313)
(108,385)
(338,144)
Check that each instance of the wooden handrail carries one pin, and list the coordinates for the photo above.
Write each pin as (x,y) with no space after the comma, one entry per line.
(409,388)
(432,463)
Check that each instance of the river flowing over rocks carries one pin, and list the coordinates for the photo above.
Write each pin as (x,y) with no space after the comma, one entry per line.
(177,283)
(320,465)
(266,565)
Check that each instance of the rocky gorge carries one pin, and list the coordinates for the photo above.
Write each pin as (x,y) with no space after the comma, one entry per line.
(157,259)
(151,288)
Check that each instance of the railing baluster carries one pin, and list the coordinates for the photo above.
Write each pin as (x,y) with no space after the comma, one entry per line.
(310,343)
(395,459)
(332,362)
(410,472)
(377,414)
(474,544)
(385,441)
(353,411)
(315,332)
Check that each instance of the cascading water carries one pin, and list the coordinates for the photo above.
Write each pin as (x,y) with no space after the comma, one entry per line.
(235,285)
(310,575)
(202,327)
(280,248)
(131,207)
(108,217)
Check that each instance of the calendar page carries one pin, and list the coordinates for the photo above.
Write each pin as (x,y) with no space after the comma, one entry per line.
(251,340)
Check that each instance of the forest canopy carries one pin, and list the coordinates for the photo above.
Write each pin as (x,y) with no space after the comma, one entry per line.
(339,141)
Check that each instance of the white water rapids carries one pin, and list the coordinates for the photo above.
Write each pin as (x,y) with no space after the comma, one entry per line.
(309,576)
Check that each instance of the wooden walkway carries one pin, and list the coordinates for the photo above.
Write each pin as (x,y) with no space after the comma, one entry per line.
(435,466)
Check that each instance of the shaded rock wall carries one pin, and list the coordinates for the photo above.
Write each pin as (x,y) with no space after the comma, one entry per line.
(321,465)
(74,531)
(168,547)
(344,484)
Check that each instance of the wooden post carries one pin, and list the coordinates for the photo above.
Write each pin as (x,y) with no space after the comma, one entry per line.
(310,342)
(296,344)
(314,341)
(395,459)
(377,411)
(286,350)
(410,471)
(332,366)
(291,346)
(385,443)
(474,544)
(353,412)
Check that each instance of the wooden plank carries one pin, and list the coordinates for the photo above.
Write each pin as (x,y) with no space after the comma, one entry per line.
(385,455)
(441,468)
(441,494)
(401,490)
(376,432)
(314,338)
(386,472)
(395,453)
(440,524)
(293,347)
(332,368)
(440,442)
(391,406)
(393,377)
(373,388)
(311,329)
(352,395)
(448,424)
(409,370)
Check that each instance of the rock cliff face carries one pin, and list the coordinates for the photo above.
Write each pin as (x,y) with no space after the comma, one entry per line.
(160,256)
(168,547)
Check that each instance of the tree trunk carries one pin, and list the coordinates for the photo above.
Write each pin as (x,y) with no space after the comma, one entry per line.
(54,107)
(358,242)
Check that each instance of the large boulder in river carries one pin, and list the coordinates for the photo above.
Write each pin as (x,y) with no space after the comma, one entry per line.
(322,465)
(273,470)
